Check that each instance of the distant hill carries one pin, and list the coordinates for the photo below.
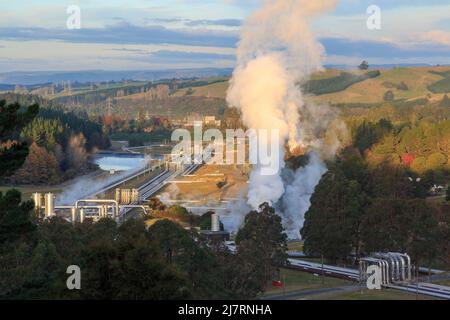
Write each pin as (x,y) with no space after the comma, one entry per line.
(36,77)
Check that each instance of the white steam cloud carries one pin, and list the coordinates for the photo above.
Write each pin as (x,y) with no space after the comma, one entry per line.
(276,53)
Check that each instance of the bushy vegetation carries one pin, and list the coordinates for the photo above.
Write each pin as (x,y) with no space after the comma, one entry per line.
(13,150)
(59,143)
(130,261)
(357,209)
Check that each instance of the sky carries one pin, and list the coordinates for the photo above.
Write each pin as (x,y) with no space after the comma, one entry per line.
(173,34)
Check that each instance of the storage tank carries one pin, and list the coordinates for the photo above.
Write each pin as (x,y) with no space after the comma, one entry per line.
(49,204)
(81,215)
(37,198)
(215,222)
(74,214)
(118,197)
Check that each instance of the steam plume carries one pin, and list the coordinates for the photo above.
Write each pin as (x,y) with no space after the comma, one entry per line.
(277,51)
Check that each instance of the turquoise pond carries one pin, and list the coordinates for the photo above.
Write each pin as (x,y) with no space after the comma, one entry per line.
(119,162)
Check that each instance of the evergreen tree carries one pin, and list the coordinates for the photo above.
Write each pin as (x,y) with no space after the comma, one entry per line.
(13,117)
(261,251)
(15,216)
(332,223)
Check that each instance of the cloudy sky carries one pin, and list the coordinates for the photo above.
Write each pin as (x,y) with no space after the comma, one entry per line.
(159,34)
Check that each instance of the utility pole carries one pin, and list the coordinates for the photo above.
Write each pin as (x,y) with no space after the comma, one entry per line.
(323,274)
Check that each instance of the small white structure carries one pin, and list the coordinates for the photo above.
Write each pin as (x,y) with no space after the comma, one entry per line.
(215,222)
(49,205)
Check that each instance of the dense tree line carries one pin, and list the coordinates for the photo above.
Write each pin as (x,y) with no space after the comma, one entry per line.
(58,141)
(131,261)
(373,198)
(13,150)
(416,137)
(357,209)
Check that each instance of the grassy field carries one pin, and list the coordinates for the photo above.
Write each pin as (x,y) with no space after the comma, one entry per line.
(443,283)
(297,280)
(372,90)
(215,90)
(384,294)
(417,79)
(295,245)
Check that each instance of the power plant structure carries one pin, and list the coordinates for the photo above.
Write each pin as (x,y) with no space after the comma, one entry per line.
(86,208)
(127,196)
(395,267)
(124,201)
(215,233)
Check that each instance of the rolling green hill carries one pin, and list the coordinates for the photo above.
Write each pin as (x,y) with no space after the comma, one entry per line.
(357,87)
(441,86)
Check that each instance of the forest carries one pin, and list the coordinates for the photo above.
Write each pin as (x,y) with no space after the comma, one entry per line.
(59,143)
(127,261)
(375,196)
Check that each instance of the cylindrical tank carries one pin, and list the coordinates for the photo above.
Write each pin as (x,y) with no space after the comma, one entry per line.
(49,204)
(81,215)
(215,222)
(37,199)
(74,214)
(118,198)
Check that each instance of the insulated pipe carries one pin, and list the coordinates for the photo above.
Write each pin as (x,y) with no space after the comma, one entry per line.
(380,264)
(396,273)
(408,264)
(387,260)
(116,204)
(385,271)
(401,265)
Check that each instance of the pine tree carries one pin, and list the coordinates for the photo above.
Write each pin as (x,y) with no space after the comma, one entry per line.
(13,151)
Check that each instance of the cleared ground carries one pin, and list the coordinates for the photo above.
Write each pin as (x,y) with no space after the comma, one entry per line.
(209,185)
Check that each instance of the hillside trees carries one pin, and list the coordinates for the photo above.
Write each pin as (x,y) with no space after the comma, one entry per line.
(191,256)
(13,151)
(423,147)
(15,218)
(40,167)
(76,152)
(261,251)
(403,225)
(58,137)
(382,209)
(364,65)
(332,223)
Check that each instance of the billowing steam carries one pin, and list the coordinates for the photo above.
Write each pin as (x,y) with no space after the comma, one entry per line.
(276,53)
(84,186)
